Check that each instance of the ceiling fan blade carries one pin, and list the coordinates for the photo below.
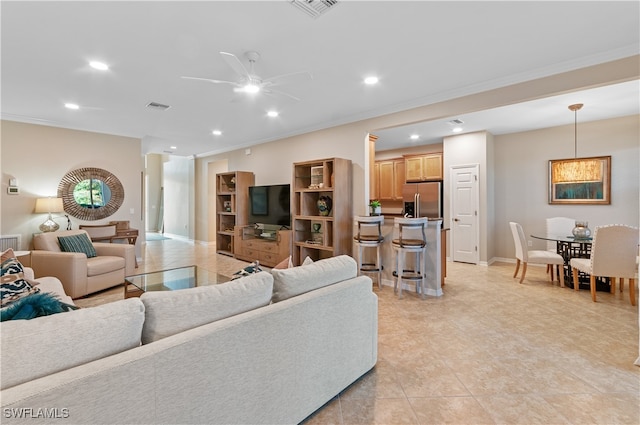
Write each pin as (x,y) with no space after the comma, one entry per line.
(270,91)
(233,61)
(288,78)
(211,81)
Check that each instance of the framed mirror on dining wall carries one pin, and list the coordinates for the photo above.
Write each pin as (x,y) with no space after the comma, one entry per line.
(91,193)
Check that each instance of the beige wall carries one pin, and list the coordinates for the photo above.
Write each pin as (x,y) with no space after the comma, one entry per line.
(64,150)
(471,149)
(272,163)
(153,194)
(39,156)
(521,183)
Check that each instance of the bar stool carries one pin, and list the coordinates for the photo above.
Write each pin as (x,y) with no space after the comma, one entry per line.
(409,238)
(370,236)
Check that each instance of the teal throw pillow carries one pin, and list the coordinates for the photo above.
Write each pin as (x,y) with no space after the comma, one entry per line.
(36,305)
(77,243)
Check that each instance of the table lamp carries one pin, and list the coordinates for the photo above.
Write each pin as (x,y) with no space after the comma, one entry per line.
(49,205)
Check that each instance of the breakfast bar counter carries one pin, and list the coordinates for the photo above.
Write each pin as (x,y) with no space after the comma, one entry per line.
(435,258)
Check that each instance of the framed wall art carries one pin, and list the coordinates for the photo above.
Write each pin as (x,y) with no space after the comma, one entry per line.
(580,181)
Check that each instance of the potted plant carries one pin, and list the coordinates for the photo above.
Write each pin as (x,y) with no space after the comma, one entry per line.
(376,207)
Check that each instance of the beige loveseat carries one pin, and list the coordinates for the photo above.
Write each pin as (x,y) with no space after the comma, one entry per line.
(269,348)
(80,275)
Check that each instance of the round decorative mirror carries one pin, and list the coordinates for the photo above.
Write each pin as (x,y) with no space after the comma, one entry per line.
(90,193)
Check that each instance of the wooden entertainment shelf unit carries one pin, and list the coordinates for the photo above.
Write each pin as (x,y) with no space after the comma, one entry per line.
(268,250)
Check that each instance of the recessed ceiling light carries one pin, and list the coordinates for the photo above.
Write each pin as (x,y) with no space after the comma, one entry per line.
(99,65)
(457,129)
(173,147)
(216,132)
(371,80)
(414,136)
(71,106)
(272,114)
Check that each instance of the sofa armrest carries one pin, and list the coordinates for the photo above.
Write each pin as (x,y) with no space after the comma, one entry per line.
(69,267)
(124,250)
(28,273)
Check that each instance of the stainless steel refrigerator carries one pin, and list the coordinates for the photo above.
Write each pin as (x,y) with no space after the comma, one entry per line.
(422,199)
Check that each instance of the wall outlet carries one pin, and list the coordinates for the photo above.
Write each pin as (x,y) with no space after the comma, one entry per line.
(530,243)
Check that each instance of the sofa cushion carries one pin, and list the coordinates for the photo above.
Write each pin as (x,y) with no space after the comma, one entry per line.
(288,283)
(77,243)
(48,241)
(45,345)
(171,312)
(13,284)
(104,264)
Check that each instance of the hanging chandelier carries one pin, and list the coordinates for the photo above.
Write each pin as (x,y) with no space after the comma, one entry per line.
(585,170)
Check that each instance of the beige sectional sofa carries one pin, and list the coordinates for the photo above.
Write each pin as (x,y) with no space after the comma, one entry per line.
(268,348)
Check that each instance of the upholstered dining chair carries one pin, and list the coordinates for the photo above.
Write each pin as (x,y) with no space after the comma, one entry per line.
(614,254)
(525,256)
(557,226)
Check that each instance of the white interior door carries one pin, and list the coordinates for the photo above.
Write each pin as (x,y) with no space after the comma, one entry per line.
(464,213)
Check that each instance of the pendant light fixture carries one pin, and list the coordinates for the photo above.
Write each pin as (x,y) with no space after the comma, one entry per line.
(583,170)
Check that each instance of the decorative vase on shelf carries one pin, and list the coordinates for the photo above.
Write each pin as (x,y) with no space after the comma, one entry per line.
(581,231)
(324,205)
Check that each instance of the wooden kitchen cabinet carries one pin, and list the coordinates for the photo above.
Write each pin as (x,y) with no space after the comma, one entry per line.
(390,179)
(420,168)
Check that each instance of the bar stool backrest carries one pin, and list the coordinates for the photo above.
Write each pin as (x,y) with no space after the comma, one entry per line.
(369,228)
(409,232)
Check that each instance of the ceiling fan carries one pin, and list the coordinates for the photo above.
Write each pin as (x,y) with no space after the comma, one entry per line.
(249,82)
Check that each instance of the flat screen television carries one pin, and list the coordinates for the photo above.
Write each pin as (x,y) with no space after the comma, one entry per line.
(270,205)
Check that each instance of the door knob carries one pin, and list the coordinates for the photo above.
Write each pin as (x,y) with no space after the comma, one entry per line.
(456,219)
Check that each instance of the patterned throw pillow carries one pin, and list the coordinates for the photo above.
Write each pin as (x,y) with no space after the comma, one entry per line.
(249,270)
(13,285)
(77,243)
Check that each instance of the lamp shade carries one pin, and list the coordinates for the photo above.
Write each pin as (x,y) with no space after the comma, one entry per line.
(578,171)
(49,205)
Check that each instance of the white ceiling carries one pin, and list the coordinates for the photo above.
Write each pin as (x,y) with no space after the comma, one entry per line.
(422,51)
(616,100)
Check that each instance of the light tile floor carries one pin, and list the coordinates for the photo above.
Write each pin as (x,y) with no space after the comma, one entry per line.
(489,351)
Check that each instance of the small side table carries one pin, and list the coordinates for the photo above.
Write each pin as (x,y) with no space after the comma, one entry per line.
(130,235)
(26,262)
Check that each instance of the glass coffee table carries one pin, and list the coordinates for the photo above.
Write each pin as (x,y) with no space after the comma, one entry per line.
(171,280)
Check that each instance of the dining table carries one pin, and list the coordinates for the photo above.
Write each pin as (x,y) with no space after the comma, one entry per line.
(569,246)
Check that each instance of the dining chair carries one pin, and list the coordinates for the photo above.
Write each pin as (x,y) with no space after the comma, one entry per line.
(557,226)
(613,254)
(525,256)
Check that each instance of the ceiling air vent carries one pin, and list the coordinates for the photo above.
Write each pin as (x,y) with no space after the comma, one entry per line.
(314,8)
(158,106)
(456,122)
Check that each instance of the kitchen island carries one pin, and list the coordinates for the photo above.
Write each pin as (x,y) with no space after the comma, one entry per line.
(435,258)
